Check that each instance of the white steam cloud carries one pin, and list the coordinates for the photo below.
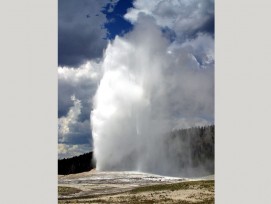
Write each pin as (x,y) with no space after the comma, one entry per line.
(149,87)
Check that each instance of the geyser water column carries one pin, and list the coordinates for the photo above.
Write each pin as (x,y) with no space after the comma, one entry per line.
(127,119)
(150,86)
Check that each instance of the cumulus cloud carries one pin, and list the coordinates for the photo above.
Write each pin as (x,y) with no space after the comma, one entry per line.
(200,48)
(67,151)
(76,86)
(184,17)
(70,129)
(81,40)
(81,35)
(81,82)
(65,122)
(73,135)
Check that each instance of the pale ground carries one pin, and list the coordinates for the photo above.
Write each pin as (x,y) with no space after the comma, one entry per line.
(133,187)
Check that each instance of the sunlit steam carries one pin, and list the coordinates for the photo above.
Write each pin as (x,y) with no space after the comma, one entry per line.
(148,88)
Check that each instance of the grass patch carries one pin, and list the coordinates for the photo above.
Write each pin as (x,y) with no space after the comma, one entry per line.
(208,185)
(64,190)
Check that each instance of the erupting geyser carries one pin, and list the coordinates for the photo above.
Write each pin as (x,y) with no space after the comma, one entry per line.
(148,88)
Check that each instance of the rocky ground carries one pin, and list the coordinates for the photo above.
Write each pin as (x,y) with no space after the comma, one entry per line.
(133,187)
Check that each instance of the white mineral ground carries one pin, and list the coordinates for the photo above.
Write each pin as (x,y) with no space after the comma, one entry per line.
(116,185)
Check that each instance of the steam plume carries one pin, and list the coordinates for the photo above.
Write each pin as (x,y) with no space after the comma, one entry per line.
(149,87)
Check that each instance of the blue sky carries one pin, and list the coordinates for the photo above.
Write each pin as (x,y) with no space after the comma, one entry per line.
(116,24)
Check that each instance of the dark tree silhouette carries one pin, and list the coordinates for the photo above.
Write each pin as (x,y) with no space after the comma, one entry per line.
(76,164)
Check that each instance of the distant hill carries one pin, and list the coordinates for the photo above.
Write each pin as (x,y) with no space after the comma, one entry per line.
(76,164)
(193,147)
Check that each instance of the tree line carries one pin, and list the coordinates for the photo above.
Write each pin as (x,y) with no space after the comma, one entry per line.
(76,164)
(192,147)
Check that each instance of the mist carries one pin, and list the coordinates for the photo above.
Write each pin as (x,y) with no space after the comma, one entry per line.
(151,86)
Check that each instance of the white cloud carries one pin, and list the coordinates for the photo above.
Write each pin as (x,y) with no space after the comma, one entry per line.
(200,49)
(81,82)
(73,135)
(88,71)
(64,123)
(67,151)
(76,86)
(182,16)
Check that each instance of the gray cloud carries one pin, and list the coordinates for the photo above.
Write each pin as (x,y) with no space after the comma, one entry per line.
(81,82)
(80,33)
(185,18)
(76,86)
(70,130)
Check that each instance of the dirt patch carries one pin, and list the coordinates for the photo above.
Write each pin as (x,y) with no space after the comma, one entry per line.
(64,190)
